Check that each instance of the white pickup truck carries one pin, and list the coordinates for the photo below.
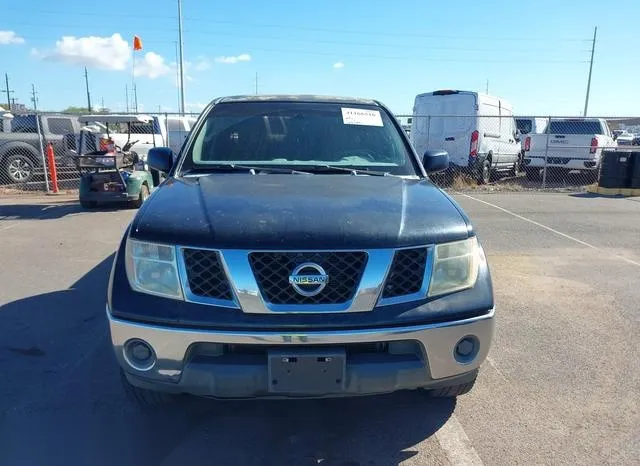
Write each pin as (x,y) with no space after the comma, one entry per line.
(567,144)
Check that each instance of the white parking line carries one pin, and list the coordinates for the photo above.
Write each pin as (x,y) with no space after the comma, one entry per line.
(564,235)
(456,445)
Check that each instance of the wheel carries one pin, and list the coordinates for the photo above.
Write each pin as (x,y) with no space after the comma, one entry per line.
(18,168)
(533,174)
(485,172)
(514,170)
(88,204)
(145,398)
(452,391)
(142,196)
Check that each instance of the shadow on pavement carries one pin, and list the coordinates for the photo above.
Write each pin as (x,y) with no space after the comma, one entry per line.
(596,195)
(51,211)
(61,403)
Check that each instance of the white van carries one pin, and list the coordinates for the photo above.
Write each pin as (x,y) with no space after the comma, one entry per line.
(178,128)
(477,130)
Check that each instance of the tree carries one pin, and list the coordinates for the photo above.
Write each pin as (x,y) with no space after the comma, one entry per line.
(83,110)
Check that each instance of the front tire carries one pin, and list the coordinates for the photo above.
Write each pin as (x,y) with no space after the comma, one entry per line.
(142,196)
(144,398)
(485,172)
(452,391)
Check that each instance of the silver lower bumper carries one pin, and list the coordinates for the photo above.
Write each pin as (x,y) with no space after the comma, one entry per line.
(175,371)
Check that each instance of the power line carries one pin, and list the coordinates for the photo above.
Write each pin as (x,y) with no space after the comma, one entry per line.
(235,23)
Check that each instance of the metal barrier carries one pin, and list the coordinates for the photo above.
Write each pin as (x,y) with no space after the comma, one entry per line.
(487,151)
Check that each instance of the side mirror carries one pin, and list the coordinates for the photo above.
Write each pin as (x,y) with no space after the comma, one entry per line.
(161,159)
(517,135)
(435,161)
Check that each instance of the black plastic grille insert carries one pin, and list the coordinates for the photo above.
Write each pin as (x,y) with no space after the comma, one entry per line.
(272,271)
(407,272)
(205,274)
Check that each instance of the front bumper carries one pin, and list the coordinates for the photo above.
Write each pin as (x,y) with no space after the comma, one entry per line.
(182,366)
(108,196)
(561,162)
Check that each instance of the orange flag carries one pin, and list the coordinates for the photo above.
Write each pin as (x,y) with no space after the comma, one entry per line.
(137,43)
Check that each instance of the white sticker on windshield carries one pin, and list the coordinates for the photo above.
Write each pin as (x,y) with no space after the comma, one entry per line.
(359,116)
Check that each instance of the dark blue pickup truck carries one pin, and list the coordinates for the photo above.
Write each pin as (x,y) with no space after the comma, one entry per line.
(297,248)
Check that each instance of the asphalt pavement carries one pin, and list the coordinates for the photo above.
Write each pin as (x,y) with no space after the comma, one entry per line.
(561,385)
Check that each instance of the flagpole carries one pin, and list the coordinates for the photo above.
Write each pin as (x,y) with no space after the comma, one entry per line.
(133,75)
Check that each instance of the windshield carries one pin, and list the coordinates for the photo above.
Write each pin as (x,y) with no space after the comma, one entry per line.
(575,127)
(300,134)
(524,125)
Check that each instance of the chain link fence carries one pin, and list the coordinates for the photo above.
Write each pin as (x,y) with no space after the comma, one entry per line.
(487,151)
(32,144)
(507,153)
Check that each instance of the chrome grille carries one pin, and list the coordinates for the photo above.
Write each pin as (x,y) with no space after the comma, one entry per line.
(272,271)
(406,273)
(205,274)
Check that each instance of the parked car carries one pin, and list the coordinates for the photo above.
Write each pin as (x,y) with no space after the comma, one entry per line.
(297,249)
(477,130)
(23,139)
(568,144)
(625,139)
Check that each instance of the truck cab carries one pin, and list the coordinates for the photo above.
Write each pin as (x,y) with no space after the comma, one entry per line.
(298,248)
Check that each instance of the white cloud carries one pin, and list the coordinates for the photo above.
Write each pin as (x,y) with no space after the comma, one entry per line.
(202,65)
(107,53)
(233,60)
(152,66)
(338,65)
(10,37)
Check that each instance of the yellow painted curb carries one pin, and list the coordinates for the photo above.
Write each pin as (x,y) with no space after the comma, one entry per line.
(629,192)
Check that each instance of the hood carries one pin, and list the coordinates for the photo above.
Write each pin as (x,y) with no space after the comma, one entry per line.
(274,211)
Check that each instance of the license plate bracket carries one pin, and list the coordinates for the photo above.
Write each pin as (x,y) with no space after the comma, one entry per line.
(306,372)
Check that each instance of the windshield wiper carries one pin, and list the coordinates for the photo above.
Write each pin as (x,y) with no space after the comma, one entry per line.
(244,168)
(336,169)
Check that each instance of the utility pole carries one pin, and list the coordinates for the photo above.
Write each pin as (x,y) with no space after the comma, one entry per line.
(102,104)
(487,89)
(7,91)
(86,82)
(593,48)
(34,97)
(126,93)
(181,64)
(256,83)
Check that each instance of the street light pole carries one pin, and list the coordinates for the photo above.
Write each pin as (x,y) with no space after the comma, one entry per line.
(181,64)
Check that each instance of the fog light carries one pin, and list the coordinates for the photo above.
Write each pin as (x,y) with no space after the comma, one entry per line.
(467,349)
(139,354)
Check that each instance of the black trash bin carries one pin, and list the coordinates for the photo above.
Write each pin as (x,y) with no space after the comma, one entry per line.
(615,171)
(635,170)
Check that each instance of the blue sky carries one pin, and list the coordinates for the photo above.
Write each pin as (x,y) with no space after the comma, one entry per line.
(534,54)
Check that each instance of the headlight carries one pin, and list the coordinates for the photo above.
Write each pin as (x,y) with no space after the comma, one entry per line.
(152,268)
(455,266)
